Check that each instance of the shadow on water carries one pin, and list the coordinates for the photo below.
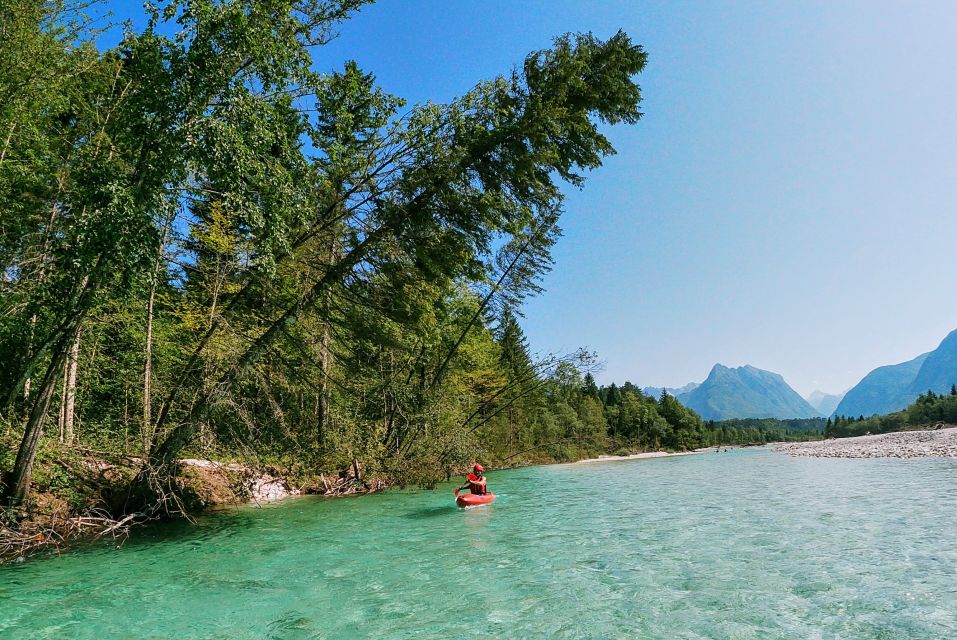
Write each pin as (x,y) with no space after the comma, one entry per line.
(431,512)
(198,529)
(151,534)
(203,525)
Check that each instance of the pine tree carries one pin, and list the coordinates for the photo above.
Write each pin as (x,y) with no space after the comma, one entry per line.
(514,346)
(589,388)
(612,396)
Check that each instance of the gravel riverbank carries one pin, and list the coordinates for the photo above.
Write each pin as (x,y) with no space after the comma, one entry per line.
(901,444)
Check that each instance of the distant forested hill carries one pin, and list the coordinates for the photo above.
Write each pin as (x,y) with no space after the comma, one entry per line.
(762,430)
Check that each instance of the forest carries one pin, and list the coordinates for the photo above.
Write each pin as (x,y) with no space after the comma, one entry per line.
(929,409)
(746,431)
(211,249)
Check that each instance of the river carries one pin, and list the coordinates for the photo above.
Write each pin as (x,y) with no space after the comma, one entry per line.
(743,544)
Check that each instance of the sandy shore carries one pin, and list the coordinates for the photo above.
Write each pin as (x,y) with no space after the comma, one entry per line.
(639,456)
(902,444)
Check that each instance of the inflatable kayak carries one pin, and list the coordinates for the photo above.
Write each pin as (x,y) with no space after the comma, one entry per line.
(472,500)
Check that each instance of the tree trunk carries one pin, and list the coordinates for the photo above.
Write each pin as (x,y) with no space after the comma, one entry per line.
(148,351)
(162,457)
(68,397)
(41,276)
(61,421)
(6,143)
(324,398)
(29,381)
(23,467)
(148,374)
(59,351)
(70,413)
(333,253)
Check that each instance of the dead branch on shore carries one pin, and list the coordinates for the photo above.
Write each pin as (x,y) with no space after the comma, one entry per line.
(28,537)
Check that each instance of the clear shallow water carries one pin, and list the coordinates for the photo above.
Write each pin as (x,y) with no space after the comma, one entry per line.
(749,544)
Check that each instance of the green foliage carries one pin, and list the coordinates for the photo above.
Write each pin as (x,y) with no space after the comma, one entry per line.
(929,408)
(301,274)
(57,474)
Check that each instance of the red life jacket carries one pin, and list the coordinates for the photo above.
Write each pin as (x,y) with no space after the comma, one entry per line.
(476,488)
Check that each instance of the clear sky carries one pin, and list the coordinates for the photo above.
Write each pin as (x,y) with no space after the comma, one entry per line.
(789,199)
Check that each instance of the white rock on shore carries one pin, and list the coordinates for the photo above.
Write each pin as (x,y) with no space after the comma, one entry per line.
(267,488)
(901,444)
(261,487)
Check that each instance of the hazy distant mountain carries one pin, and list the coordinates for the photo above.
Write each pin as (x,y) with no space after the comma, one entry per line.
(939,371)
(824,403)
(883,390)
(893,387)
(746,392)
(655,392)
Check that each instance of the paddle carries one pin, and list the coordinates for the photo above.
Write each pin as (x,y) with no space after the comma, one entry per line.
(470,476)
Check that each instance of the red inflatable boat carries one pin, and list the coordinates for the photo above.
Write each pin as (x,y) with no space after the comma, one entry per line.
(472,500)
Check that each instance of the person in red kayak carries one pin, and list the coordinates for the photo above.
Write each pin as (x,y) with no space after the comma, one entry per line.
(476,482)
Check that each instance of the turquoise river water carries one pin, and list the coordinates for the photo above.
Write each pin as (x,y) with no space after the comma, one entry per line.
(746,544)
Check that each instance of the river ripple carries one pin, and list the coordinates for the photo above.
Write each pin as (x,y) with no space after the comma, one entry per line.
(748,544)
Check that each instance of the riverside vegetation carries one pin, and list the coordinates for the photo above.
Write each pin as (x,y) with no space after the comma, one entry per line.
(929,409)
(209,249)
(920,430)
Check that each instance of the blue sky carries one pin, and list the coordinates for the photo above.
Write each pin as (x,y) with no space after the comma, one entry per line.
(787,201)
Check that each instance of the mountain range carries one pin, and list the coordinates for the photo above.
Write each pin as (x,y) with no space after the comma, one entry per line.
(749,392)
(893,387)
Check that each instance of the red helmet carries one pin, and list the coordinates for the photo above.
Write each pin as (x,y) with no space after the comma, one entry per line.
(478,467)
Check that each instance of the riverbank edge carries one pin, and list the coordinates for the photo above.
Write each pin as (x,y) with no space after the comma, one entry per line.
(50,525)
(87,498)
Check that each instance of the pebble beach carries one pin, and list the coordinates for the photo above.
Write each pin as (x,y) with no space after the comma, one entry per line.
(936,443)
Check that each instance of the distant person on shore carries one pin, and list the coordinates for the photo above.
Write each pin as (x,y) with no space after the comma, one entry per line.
(476,482)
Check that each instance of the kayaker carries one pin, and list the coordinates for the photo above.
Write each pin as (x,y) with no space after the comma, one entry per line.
(476,482)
